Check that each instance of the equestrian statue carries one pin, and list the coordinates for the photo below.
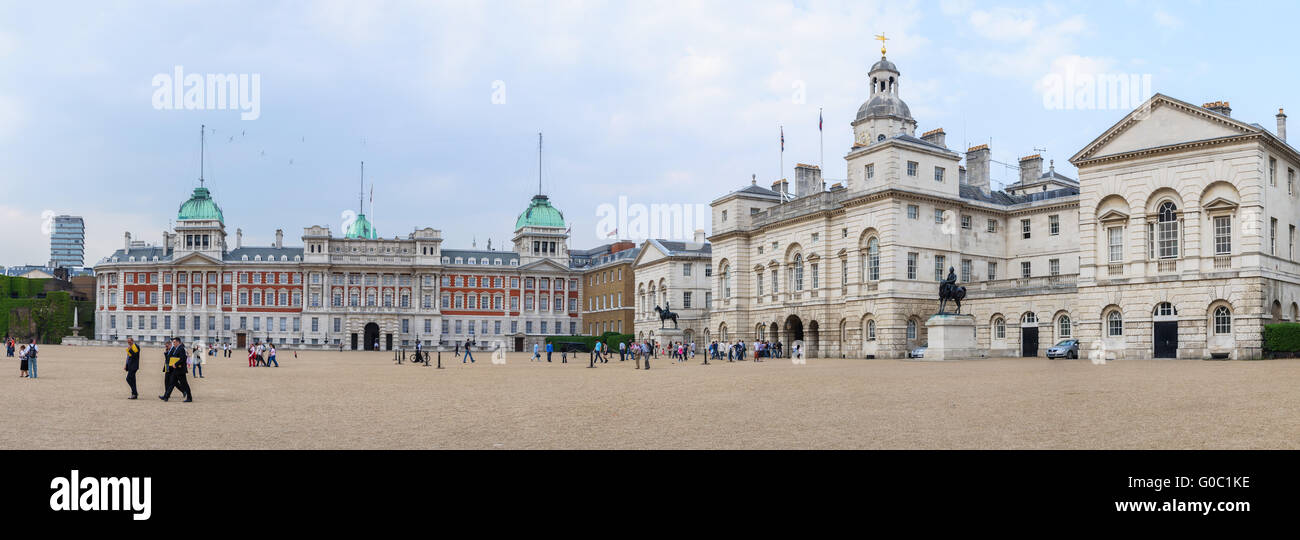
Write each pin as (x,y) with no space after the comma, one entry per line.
(665,315)
(949,290)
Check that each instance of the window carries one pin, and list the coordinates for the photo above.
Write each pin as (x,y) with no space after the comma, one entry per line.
(1166,231)
(724,216)
(1114,324)
(938,174)
(1024,228)
(913,211)
(965,270)
(939,261)
(798,272)
(1115,241)
(776,280)
(815,276)
(1222,320)
(686,270)
(993,271)
(1053,225)
(911,329)
(686,300)
(911,168)
(1290,181)
(999,328)
(871,330)
(965,222)
(1025,269)
(871,171)
(1272,235)
(815,237)
(726,282)
(1165,309)
(911,265)
(993,225)
(938,215)
(1063,329)
(759,284)
(873,259)
(1272,171)
(1054,267)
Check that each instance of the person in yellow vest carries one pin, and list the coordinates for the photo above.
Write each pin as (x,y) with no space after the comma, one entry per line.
(175,368)
(132,365)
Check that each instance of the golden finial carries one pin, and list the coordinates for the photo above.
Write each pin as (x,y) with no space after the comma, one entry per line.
(882,39)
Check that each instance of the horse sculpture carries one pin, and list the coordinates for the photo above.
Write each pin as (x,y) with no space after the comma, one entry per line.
(950,290)
(665,315)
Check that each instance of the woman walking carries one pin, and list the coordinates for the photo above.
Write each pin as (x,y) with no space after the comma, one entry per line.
(22,361)
(252,356)
(270,356)
(196,361)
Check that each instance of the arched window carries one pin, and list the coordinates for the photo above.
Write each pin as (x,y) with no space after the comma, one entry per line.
(1114,324)
(1063,328)
(1029,318)
(1165,309)
(1222,320)
(798,272)
(1166,231)
(873,259)
(871,330)
(911,329)
(999,328)
(726,282)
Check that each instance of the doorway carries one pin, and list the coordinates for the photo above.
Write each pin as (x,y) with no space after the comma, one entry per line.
(354,341)
(519,344)
(1028,341)
(241,340)
(1166,339)
(372,337)
(388,342)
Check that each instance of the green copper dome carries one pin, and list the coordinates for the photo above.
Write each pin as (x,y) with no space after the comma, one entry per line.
(540,213)
(200,206)
(361,228)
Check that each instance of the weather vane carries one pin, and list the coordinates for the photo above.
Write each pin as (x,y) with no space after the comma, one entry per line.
(882,39)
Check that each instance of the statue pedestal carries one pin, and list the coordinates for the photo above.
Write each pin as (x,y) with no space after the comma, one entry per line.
(670,335)
(951,337)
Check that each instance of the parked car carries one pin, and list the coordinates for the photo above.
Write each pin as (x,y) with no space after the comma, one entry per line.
(918,352)
(1066,348)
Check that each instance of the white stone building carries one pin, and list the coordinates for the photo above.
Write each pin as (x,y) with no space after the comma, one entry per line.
(674,275)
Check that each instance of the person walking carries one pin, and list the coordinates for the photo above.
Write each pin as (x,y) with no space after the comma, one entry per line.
(9,346)
(252,356)
(270,357)
(549,349)
(175,368)
(462,361)
(132,365)
(31,359)
(536,353)
(468,355)
(196,362)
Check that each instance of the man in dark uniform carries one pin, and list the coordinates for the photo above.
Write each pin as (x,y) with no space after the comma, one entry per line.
(176,358)
(132,365)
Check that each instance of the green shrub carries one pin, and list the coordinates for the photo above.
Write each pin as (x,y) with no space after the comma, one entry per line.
(609,338)
(1282,337)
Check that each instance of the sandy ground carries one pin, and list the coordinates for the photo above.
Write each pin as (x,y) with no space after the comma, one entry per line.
(363,400)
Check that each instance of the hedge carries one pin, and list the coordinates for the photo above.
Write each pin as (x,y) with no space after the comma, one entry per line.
(23,301)
(1282,337)
(609,338)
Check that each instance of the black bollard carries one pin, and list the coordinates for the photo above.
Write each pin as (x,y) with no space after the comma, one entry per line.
(439,359)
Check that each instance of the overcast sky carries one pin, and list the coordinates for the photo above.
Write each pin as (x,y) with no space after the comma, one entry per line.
(671,102)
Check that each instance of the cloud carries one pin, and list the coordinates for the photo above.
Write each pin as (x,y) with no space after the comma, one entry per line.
(1167,20)
(1004,24)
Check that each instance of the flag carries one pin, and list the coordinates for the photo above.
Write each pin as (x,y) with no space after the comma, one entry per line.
(372,194)
(782,139)
(819,119)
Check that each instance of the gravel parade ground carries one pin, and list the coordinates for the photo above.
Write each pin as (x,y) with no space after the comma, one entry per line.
(363,400)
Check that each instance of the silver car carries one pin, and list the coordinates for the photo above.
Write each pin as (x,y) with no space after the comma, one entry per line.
(918,352)
(1066,348)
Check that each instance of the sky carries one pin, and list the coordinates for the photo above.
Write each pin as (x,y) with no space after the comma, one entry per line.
(659,102)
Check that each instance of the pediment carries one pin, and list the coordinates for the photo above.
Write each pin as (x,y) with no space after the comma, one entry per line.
(196,259)
(1113,215)
(1220,204)
(1162,122)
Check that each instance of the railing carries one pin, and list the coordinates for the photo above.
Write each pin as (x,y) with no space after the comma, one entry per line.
(1223,261)
(1115,270)
(1167,266)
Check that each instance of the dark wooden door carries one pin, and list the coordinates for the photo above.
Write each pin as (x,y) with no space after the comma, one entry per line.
(519,344)
(1166,339)
(1028,342)
(354,341)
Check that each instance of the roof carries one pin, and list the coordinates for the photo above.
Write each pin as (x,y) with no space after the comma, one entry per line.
(885,65)
(200,206)
(1002,198)
(674,248)
(885,104)
(266,253)
(361,228)
(540,213)
(479,254)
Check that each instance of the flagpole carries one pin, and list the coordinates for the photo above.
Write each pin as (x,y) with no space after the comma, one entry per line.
(781,175)
(821,143)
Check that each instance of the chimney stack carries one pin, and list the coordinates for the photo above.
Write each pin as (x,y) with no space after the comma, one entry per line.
(934,136)
(1220,107)
(126,246)
(808,179)
(1281,125)
(1031,167)
(166,242)
(279,238)
(781,186)
(977,166)
(699,236)
(239,238)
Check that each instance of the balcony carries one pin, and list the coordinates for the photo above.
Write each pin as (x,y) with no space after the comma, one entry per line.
(1115,269)
(1222,261)
(1167,266)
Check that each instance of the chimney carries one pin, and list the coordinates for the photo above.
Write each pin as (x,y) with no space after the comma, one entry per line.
(961,174)
(1281,125)
(166,242)
(977,166)
(1220,107)
(934,136)
(699,236)
(239,238)
(279,238)
(781,186)
(127,244)
(808,179)
(1031,167)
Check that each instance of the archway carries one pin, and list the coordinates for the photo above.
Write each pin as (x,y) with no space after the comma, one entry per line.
(371,336)
(792,332)
(814,343)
